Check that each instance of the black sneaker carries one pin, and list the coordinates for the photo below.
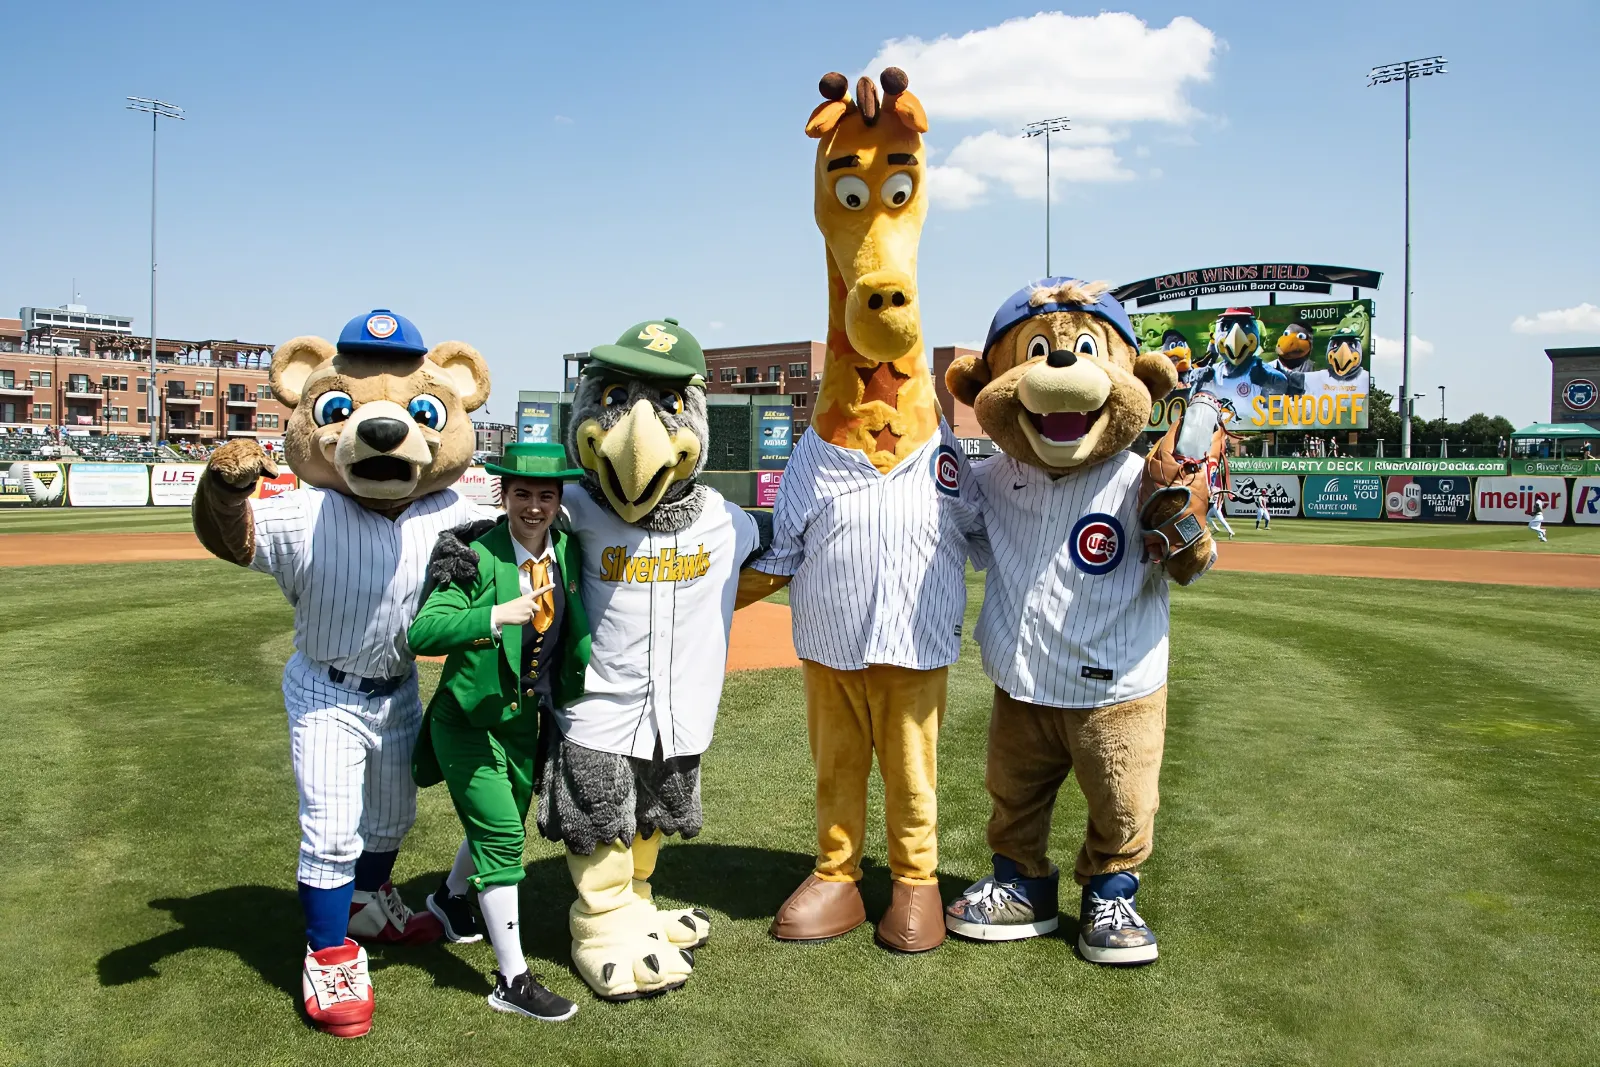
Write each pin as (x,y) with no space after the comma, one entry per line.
(526,995)
(455,913)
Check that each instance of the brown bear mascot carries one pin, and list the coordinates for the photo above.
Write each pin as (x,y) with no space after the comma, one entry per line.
(379,434)
(1074,624)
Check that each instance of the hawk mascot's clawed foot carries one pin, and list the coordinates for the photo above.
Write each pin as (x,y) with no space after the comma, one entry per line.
(618,944)
(688,928)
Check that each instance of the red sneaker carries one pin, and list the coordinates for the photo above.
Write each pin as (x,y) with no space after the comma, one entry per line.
(383,917)
(337,989)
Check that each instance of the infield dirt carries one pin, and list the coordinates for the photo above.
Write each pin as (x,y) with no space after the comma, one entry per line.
(761,634)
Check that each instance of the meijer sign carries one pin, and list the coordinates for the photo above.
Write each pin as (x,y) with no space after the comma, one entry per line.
(1516,499)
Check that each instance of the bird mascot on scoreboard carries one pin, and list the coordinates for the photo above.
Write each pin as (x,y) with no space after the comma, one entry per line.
(1074,624)
(378,435)
(661,554)
(875,519)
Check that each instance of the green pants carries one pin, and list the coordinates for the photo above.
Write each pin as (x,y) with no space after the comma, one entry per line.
(490,775)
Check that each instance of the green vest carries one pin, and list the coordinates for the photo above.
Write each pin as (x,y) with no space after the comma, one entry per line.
(479,686)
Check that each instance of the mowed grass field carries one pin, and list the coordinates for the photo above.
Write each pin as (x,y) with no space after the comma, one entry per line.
(1379,843)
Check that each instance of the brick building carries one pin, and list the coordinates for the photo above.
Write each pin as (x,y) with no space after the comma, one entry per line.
(794,368)
(90,381)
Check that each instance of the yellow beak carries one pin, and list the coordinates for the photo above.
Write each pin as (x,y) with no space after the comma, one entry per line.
(637,459)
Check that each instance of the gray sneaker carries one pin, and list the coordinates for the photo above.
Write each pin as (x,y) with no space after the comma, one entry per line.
(1005,906)
(1109,929)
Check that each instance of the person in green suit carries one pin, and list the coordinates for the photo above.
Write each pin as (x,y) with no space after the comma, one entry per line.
(516,638)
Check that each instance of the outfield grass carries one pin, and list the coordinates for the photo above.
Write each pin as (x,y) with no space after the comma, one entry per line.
(1378,844)
(1471,535)
(94,520)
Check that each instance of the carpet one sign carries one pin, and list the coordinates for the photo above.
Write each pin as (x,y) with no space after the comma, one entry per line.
(1342,496)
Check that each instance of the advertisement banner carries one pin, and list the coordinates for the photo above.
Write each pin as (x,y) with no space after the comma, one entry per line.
(1282,367)
(1567,468)
(267,488)
(108,485)
(536,422)
(1429,498)
(1342,496)
(1586,501)
(1280,491)
(172,485)
(774,425)
(31,483)
(1363,465)
(767,483)
(1515,499)
(480,487)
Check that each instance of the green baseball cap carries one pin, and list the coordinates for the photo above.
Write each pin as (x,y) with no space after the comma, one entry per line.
(656,348)
(533,461)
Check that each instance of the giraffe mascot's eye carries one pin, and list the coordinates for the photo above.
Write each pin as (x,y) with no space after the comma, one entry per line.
(897,190)
(332,406)
(615,397)
(852,192)
(428,410)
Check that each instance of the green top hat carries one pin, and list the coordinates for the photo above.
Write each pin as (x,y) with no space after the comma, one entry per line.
(547,461)
(656,348)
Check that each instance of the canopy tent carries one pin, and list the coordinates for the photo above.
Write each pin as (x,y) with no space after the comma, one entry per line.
(1560,435)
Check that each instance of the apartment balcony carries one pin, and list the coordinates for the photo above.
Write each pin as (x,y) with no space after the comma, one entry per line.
(182,398)
(184,431)
(17,390)
(231,432)
(242,402)
(775,385)
(91,393)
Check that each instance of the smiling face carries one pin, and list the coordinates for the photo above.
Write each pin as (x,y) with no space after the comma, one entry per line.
(531,504)
(870,204)
(384,431)
(641,440)
(1062,390)
(1294,346)
(1344,355)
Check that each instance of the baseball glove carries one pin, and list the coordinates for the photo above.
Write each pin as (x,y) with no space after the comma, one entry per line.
(1175,491)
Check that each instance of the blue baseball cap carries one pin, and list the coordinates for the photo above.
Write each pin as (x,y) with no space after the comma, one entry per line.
(380,332)
(1019,306)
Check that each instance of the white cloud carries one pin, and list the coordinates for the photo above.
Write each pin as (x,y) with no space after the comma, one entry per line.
(1106,72)
(717,325)
(1585,318)
(562,120)
(1388,354)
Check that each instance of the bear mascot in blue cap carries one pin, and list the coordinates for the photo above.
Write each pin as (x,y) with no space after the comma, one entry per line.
(379,434)
(1073,629)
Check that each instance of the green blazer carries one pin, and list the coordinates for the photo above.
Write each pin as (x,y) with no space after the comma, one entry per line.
(479,686)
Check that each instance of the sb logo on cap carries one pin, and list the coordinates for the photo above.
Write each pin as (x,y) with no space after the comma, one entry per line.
(660,340)
(381,326)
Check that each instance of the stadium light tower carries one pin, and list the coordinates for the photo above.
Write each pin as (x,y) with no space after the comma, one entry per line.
(157,110)
(1044,128)
(1405,71)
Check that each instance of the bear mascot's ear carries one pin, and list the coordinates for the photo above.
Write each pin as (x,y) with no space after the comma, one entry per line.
(1156,372)
(965,378)
(292,364)
(466,369)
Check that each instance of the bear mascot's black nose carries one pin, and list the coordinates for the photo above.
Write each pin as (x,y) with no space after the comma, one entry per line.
(1059,358)
(383,434)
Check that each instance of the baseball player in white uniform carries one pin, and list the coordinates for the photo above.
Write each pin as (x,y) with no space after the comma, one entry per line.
(353,569)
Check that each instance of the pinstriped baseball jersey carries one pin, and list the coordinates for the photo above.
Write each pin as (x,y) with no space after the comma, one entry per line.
(353,576)
(1071,616)
(879,560)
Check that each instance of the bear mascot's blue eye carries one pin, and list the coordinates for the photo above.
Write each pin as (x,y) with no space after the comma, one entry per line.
(332,406)
(428,411)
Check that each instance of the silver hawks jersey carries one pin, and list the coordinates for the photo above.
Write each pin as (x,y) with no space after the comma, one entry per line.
(1072,617)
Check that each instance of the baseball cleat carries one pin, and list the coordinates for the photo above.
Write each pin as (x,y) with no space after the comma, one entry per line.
(526,995)
(380,915)
(337,990)
(455,915)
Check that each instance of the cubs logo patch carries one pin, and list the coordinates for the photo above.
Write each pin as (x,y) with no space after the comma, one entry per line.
(1580,394)
(1096,544)
(947,471)
(382,326)
(660,340)
(1242,389)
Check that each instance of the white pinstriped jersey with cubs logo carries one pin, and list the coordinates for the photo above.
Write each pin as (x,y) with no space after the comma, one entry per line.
(1072,618)
(879,560)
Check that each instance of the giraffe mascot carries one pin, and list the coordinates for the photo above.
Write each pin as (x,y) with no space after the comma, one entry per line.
(874,522)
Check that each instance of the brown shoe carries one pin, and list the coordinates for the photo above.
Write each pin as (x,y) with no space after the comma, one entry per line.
(915,919)
(818,910)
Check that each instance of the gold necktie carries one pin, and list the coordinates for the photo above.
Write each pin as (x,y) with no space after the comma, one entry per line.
(544,605)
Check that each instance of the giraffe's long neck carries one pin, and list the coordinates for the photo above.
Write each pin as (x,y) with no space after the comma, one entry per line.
(887,410)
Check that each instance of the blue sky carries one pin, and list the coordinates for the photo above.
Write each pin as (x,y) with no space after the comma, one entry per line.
(533,178)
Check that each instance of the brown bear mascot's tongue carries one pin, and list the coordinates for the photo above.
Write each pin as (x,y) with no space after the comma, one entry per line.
(379,433)
(1074,624)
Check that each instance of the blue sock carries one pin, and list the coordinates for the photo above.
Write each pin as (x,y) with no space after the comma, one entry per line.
(1121,884)
(373,870)
(327,914)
